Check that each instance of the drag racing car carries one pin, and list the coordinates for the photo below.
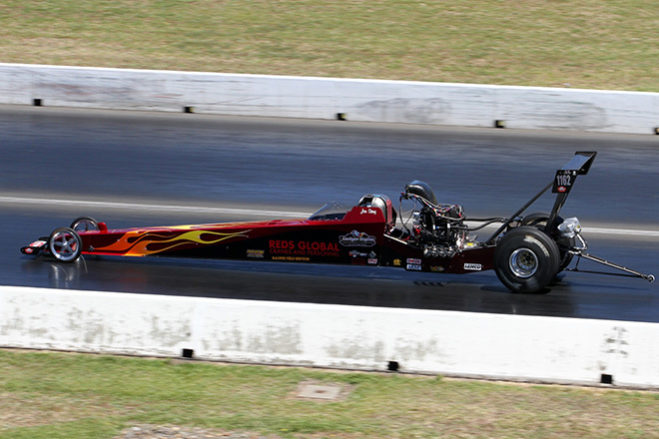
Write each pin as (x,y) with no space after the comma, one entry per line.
(525,251)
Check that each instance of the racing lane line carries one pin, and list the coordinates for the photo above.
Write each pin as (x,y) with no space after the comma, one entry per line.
(150,207)
(587,230)
(622,232)
(247,212)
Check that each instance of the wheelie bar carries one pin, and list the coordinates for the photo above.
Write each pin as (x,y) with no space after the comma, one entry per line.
(632,273)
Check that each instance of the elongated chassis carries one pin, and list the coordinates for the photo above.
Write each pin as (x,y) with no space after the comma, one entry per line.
(358,238)
(526,251)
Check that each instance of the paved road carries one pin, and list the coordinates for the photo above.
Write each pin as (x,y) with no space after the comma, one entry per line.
(125,168)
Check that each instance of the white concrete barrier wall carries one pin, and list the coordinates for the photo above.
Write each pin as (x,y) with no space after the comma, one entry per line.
(323,98)
(444,342)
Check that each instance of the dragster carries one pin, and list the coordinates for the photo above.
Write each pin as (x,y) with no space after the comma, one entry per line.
(526,251)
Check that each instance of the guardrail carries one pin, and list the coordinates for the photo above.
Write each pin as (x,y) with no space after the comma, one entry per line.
(530,348)
(330,98)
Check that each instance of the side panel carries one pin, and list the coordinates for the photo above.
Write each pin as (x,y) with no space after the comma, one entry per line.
(472,260)
(398,253)
(355,239)
(343,243)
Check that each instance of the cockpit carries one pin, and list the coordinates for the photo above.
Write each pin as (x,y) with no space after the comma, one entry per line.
(330,211)
(336,211)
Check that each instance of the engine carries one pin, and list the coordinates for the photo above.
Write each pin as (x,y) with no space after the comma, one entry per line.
(438,228)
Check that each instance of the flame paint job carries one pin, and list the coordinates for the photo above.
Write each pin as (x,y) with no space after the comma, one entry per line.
(141,243)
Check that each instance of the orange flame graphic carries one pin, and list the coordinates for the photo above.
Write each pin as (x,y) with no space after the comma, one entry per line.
(136,243)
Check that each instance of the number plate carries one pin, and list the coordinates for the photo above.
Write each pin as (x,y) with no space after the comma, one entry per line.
(563,182)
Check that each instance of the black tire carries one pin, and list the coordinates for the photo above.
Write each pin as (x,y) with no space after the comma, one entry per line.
(65,244)
(526,260)
(85,224)
(539,220)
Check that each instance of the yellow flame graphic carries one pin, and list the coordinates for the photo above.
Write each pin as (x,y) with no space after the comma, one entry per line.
(136,243)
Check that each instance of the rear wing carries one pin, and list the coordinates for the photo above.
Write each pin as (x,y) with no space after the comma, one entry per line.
(564,180)
(579,165)
(562,185)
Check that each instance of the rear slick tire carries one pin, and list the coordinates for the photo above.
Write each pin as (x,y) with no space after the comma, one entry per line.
(526,260)
(539,220)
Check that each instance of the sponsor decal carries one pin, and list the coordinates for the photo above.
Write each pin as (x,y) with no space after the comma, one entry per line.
(414,261)
(397,262)
(37,244)
(291,247)
(357,239)
(29,250)
(413,267)
(290,258)
(473,267)
(368,211)
(437,268)
(562,189)
(358,254)
(371,258)
(256,254)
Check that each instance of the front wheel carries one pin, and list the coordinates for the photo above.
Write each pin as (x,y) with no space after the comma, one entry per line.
(526,260)
(65,244)
(85,224)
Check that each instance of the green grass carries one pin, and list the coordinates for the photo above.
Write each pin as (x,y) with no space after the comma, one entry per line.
(53,395)
(586,44)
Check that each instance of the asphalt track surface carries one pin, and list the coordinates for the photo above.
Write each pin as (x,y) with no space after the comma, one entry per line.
(137,169)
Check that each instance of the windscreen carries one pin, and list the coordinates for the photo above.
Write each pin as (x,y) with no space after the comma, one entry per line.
(330,211)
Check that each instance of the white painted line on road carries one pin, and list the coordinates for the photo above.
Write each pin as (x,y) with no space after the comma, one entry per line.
(246,212)
(622,232)
(150,207)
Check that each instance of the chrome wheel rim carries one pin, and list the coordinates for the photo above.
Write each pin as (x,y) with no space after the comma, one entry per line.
(64,246)
(523,263)
(85,225)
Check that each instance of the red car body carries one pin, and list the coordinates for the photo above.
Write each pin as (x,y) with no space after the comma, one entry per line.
(362,236)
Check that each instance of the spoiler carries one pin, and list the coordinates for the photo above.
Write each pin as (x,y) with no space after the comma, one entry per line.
(562,185)
(579,165)
(565,177)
